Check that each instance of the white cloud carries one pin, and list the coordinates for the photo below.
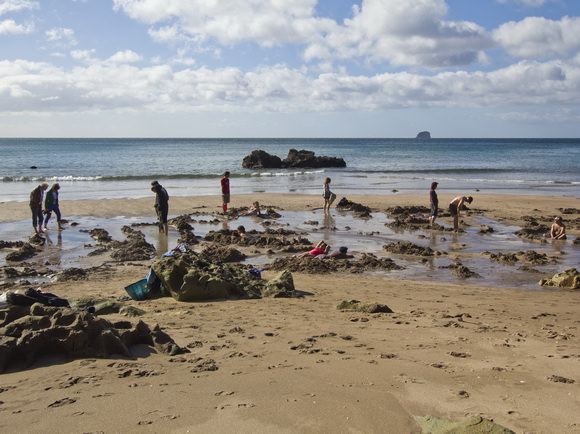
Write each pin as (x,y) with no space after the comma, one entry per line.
(83,55)
(10,27)
(265,22)
(404,33)
(540,38)
(399,32)
(126,56)
(7,6)
(61,36)
(106,85)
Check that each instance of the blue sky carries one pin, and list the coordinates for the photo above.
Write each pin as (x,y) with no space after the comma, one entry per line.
(300,68)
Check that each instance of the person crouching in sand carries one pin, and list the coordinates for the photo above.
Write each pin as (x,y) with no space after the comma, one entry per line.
(558,229)
(455,207)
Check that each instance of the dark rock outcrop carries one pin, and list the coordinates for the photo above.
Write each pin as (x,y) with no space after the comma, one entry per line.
(26,251)
(296,159)
(424,135)
(307,159)
(261,160)
(408,248)
(29,332)
(133,248)
(312,265)
(358,209)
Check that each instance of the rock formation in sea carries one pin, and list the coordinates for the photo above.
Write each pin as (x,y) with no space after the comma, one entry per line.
(424,135)
(296,159)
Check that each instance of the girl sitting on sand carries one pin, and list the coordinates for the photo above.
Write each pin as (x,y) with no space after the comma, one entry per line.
(558,230)
(254,209)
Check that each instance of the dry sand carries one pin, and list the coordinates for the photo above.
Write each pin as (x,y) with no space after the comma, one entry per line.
(301,365)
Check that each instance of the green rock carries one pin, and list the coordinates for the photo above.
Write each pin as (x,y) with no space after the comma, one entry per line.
(131,311)
(472,425)
(103,306)
(357,306)
(199,285)
(569,278)
(280,286)
(192,277)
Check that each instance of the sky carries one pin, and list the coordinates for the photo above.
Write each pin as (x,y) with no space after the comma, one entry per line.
(290,68)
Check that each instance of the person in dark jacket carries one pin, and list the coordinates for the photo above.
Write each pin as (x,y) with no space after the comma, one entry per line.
(161,205)
(434,202)
(51,204)
(36,197)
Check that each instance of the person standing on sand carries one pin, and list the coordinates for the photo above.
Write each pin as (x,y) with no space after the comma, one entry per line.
(36,197)
(327,195)
(225,183)
(51,204)
(455,207)
(161,206)
(434,201)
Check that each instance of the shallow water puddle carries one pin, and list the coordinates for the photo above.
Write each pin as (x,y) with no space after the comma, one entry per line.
(68,248)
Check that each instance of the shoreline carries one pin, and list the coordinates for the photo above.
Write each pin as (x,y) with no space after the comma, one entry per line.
(507,206)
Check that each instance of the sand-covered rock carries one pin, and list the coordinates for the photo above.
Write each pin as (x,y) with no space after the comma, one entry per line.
(133,248)
(408,248)
(217,253)
(472,425)
(29,332)
(569,278)
(359,306)
(26,251)
(278,239)
(313,265)
(532,230)
(358,209)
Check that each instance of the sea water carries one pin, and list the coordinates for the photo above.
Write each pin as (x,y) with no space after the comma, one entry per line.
(123,168)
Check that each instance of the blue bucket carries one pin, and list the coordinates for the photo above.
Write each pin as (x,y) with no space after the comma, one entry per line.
(138,290)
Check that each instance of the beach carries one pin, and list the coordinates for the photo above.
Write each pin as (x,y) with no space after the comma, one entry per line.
(450,349)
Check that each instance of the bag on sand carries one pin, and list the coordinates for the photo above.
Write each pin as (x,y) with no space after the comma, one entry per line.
(331,199)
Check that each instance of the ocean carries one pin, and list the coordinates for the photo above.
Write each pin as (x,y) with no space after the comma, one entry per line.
(123,168)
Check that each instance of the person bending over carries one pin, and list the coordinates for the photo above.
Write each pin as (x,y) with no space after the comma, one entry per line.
(455,207)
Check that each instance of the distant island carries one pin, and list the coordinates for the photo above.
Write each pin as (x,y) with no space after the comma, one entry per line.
(424,135)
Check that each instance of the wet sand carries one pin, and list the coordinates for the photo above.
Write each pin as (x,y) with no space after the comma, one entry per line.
(450,349)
